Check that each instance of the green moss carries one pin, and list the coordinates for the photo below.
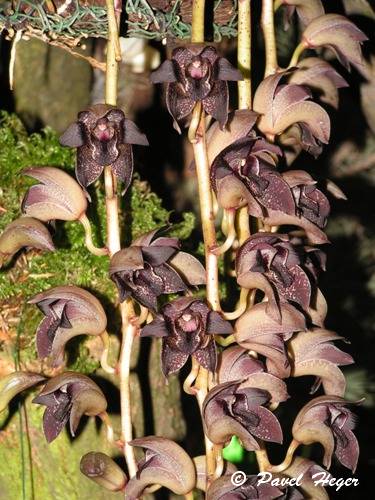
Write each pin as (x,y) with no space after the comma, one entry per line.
(71,263)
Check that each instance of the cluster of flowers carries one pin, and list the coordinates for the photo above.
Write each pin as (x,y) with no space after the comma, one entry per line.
(286,329)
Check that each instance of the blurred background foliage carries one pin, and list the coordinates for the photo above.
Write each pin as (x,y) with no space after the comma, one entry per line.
(50,87)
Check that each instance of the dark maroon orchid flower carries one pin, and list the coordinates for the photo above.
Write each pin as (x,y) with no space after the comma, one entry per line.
(187,326)
(103,137)
(165,463)
(285,106)
(255,330)
(313,353)
(312,207)
(230,411)
(225,488)
(69,396)
(68,311)
(244,173)
(152,266)
(24,232)
(305,470)
(327,421)
(235,364)
(306,11)
(196,73)
(270,262)
(321,77)
(338,33)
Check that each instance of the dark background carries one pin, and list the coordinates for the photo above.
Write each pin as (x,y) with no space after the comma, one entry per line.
(349,282)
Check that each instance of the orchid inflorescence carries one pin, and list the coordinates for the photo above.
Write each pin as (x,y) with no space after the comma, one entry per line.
(279,330)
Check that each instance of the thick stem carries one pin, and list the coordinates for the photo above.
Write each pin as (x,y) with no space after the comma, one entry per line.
(129,323)
(268,27)
(197,24)
(212,275)
(244,53)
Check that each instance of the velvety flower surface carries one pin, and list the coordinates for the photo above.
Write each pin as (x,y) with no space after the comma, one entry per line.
(230,411)
(244,173)
(270,262)
(58,196)
(327,421)
(321,77)
(152,266)
(24,232)
(284,105)
(339,34)
(255,330)
(235,364)
(68,397)
(187,326)
(103,136)
(14,383)
(224,489)
(196,73)
(68,311)
(314,353)
(164,463)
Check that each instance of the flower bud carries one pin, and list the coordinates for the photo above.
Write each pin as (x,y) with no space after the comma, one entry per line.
(104,471)
(58,196)
(24,232)
(14,383)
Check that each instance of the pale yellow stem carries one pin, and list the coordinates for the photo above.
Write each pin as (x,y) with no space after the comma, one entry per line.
(190,379)
(128,317)
(104,357)
(88,237)
(229,231)
(244,53)
(108,424)
(197,24)
(241,306)
(296,54)
(225,341)
(12,59)
(287,460)
(268,27)
(243,225)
